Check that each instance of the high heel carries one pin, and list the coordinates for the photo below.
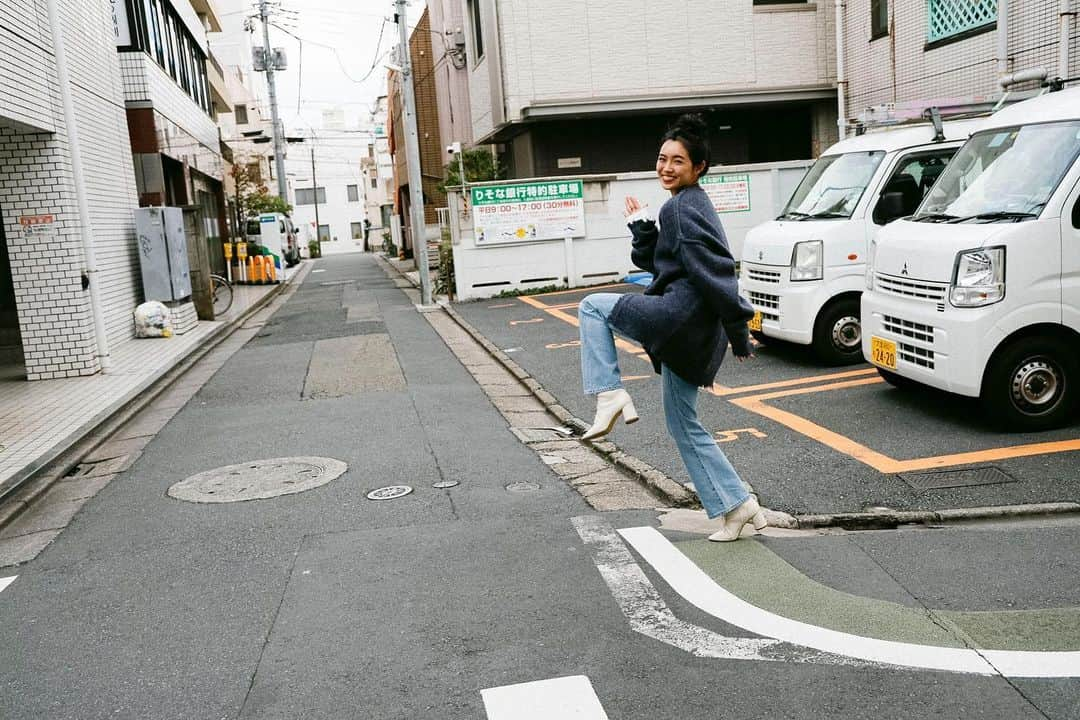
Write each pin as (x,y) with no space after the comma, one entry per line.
(748,512)
(609,405)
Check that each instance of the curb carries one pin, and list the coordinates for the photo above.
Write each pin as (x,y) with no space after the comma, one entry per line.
(68,453)
(890,519)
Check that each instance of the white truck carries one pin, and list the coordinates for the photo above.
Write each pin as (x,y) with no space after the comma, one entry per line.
(978,293)
(804,271)
(276,232)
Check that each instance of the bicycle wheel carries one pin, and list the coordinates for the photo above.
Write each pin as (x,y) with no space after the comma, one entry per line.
(222,292)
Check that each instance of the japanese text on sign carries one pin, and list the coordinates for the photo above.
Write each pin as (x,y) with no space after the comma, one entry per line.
(37,224)
(528,211)
(729,193)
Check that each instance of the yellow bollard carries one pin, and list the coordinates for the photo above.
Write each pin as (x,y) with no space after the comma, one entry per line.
(271,271)
(251,277)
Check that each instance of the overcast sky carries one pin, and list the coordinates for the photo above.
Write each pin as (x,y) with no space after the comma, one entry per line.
(341,44)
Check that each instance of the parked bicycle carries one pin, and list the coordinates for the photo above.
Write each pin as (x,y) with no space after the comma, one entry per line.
(222,292)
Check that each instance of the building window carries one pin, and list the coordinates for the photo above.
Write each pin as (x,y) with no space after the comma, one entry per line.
(958,19)
(354,192)
(241,114)
(158,31)
(477,30)
(308,196)
(357,230)
(374,183)
(879,18)
(324,233)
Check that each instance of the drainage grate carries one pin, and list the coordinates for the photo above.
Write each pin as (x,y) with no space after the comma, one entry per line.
(258,480)
(943,479)
(391,492)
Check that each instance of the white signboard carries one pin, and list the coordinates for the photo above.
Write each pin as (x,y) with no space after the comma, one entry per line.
(37,225)
(121,27)
(523,212)
(729,193)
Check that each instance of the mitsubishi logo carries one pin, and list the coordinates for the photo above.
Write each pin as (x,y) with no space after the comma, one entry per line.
(760,254)
(904,270)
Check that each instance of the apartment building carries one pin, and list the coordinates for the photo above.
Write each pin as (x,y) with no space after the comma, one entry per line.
(378,173)
(570,88)
(328,183)
(902,57)
(69,267)
(450,63)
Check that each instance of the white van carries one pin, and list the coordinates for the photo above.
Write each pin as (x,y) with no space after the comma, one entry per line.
(978,293)
(274,231)
(804,271)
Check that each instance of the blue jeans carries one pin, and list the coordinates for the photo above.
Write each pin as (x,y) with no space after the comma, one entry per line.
(717,484)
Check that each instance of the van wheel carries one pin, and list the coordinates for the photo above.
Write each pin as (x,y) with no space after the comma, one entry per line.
(1032,384)
(897,381)
(838,333)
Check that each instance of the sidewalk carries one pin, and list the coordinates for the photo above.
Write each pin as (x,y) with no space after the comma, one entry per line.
(40,420)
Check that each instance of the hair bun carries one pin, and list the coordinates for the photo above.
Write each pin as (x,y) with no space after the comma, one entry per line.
(692,124)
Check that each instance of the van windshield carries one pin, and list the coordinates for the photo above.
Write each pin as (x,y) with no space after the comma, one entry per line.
(253,227)
(1005,174)
(833,186)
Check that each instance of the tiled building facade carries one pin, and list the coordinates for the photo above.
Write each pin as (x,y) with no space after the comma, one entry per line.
(46,317)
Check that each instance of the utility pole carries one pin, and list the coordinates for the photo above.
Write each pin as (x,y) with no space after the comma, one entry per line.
(315,195)
(279,143)
(412,153)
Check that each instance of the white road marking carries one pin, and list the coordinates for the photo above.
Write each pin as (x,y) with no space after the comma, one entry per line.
(556,699)
(4,582)
(698,588)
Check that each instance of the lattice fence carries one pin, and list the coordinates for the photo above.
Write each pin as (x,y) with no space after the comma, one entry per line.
(946,18)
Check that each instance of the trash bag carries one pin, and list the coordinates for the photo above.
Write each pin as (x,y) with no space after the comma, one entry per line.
(153,319)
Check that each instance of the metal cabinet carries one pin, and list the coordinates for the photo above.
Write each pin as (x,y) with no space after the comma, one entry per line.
(163,253)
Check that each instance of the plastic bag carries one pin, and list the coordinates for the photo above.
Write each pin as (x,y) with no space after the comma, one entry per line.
(153,319)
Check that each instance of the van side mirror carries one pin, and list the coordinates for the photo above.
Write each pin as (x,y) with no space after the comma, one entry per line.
(889,207)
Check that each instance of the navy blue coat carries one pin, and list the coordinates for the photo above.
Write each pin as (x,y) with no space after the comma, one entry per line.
(690,312)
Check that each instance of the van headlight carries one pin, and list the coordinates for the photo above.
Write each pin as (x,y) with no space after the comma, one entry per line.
(979,278)
(807,261)
(871,253)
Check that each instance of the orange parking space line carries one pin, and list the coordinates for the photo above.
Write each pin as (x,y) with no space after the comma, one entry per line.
(980,456)
(725,390)
(590,289)
(572,320)
(836,441)
(818,388)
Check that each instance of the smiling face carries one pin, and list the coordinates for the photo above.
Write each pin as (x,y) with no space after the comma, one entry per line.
(674,167)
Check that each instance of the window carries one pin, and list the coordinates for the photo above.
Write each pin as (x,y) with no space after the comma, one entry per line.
(357,230)
(374,183)
(477,30)
(307,196)
(913,177)
(324,233)
(957,19)
(354,193)
(833,186)
(241,114)
(879,18)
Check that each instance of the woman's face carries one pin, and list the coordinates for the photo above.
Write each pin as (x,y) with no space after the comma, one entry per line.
(674,167)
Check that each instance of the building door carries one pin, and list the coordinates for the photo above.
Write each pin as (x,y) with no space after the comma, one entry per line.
(11,352)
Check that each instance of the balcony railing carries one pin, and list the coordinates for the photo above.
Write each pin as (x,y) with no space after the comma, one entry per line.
(947,18)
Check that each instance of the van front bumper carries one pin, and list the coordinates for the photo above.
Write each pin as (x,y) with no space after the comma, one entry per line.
(788,309)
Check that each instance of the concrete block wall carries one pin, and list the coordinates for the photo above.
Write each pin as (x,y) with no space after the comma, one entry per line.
(36,178)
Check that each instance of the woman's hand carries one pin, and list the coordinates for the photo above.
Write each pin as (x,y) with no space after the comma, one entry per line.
(632,206)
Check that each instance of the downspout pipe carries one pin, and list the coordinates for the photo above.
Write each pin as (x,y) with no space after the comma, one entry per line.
(1065,14)
(1003,38)
(86,230)
(841,78)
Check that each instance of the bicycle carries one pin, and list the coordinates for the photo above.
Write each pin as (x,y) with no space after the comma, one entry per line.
(221,290)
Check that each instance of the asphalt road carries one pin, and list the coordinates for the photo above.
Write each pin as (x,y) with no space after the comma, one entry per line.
(325,604)
(809,438)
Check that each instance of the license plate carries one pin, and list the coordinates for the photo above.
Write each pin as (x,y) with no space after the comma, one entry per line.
(754,323)
(883,352)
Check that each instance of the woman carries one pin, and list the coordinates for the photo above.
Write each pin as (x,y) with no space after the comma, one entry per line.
(684,320)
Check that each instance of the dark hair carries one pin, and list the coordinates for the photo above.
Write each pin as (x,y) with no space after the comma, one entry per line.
(693,132)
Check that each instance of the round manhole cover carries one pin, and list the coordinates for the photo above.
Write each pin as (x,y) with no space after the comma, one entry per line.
(258,479)
(523,487)
(444,484)
(391,492)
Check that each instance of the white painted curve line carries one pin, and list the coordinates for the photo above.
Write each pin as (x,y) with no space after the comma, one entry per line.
(563,698)
(692,583)
(643,607)
(4,582)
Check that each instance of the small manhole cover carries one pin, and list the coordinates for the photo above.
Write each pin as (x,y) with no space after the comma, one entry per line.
(391,492)
(523,487)
(258,480)
(943,479)
(444,484)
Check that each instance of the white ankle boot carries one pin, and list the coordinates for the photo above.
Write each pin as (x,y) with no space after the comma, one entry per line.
(748,512)
(609,405)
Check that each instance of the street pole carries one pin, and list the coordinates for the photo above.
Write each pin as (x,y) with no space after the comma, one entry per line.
(279,159)
(315,195)
(412,153)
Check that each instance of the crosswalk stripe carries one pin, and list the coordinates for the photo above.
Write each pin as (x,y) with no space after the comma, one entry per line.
(565,698)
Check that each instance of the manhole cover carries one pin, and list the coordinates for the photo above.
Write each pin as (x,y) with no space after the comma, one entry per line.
(444,484)
(523,487)
(258,479)
(943,479)
(391,492)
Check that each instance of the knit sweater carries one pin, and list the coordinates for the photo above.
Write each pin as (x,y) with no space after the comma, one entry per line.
(692,309)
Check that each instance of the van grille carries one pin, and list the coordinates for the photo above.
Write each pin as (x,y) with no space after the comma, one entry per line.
(768,305)
(762,275)
(907,328)
(917,289)
(915,355)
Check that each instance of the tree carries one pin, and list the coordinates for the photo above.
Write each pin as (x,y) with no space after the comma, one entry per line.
(252,196)
(480,165)
(264,202)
